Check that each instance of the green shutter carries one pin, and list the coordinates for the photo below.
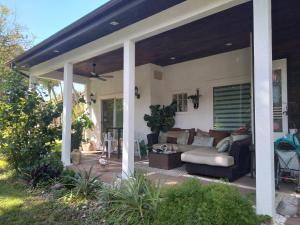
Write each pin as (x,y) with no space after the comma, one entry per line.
(232,107)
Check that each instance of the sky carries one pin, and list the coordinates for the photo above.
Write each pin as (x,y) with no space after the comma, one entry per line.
(42,18)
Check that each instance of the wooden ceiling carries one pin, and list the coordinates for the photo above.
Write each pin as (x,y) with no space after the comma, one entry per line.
(208,36)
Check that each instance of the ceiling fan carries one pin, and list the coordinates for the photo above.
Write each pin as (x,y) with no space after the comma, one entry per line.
(99,76)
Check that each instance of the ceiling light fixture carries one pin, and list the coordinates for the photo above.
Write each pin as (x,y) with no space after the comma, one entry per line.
(114,23)
(173,58)
(228,44)
(56,51)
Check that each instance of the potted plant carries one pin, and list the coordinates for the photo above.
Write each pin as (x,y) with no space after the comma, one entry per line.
(160,119)
(78,126)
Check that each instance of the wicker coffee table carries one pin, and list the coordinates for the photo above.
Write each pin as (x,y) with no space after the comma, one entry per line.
(165,161)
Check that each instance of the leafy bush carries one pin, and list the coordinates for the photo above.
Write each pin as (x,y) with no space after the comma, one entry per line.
(131,202)
(85,185)
(68,178)
(193,204)
(161,119)
(81,123)
(27,130)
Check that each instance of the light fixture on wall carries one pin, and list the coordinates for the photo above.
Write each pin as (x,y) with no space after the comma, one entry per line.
(93,98)
(136,92)
(195,99)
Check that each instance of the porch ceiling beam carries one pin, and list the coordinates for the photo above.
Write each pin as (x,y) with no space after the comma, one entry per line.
(173,17)
(265,184)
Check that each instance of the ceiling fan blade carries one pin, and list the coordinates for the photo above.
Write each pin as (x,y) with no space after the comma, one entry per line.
(106,76)
(100,78)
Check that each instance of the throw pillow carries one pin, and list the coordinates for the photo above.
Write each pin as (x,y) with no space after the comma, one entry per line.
(239,137)
(192,133)
(224,144)
(218,135)
(201,133)
(183,138)
(172,140)
(203,141)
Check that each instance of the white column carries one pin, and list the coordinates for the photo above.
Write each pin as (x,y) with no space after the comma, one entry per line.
(88,106)
(129,108)
(67,114)
(265,185)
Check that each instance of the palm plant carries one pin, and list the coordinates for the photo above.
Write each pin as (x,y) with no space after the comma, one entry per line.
(85,185)
(133,201)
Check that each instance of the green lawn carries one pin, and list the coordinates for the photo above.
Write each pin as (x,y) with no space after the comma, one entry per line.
(19,205)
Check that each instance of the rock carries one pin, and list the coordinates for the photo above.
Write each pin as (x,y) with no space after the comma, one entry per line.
(288,207)
(57,186)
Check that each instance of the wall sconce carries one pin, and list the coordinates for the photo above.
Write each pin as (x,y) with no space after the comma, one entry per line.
(195,99)
(93,98)
(136,92)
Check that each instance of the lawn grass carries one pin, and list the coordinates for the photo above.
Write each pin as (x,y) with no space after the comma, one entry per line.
(21,205)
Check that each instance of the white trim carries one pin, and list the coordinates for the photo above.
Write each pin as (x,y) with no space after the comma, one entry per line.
(183,13)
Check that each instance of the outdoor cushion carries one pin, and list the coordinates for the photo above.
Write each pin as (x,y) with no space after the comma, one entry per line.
(201,133)
(191,131)
(239,137)
(218,135)
(172,140)
(205,141)
(183,138)
(207,156)
(162,138)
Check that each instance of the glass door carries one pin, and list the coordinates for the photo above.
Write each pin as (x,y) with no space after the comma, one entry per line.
(112,113)
(280,103)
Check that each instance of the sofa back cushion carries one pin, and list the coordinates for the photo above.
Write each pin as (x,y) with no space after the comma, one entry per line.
(203,141)
(218,135)
(192,133)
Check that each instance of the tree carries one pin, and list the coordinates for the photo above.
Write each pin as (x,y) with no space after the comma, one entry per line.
(28,133)
(13,41)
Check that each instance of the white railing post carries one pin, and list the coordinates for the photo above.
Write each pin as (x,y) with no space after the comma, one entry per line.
(129,108)
(265,184)
(67,115)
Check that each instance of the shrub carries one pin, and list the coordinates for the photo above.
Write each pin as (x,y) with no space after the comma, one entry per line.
(193,204)
(86,185)
(68,178)
(131,202)
(27,130)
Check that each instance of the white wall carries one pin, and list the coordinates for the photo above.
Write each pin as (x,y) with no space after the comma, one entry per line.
(205,73)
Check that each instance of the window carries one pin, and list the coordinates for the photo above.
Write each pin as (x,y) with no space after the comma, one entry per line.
(181,100)
(232,107)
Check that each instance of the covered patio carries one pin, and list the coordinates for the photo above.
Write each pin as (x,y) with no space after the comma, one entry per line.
(173,47)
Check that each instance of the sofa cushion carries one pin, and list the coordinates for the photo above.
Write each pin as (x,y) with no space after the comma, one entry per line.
(183,138)
(201,133)
(218,135)
(191,131)
(207,156)
(203,141)
(224,144)
(172,140)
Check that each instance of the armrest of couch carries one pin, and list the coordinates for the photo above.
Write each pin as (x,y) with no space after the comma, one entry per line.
(152,139)
(240,152)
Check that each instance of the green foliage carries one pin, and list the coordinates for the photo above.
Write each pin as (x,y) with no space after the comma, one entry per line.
(132,202)
(68,178)
(143,148)
(193,204)
(161,118)
(85,185)
(27,130)
(78,126)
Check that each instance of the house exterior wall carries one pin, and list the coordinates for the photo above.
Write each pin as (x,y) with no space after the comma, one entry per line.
(205,73)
